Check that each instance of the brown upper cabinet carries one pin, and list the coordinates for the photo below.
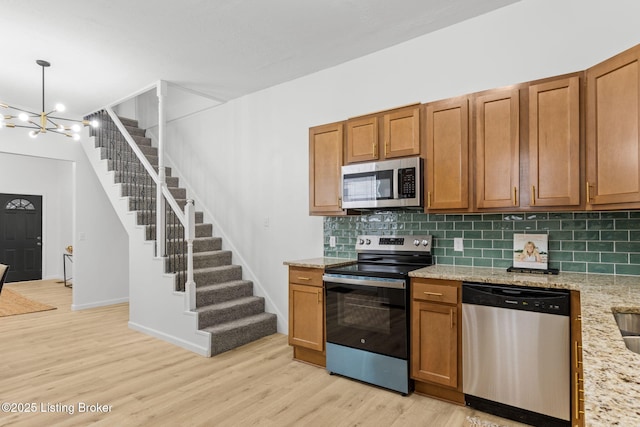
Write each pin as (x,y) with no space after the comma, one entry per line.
(554,143)
(497,145)
(447,154)
(325,163)
(384,135)
(613,122)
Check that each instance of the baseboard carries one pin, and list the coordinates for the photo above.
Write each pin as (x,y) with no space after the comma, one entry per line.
(77,307)
(202,351)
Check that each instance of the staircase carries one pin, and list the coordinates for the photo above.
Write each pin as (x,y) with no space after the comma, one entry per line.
(225,305)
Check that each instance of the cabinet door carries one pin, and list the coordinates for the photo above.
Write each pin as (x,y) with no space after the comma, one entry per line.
(554,143)
(306,316)
(362,139)
(497,149)
(613,121)
(402,133)
(325,163)
(434,341)
(447,135)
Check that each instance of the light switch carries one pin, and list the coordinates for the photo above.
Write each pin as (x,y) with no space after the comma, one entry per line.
(332,241)
(458,246)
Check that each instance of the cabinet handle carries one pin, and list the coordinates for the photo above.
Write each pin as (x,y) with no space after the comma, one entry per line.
(340,202)
(428,199)
(374,148)
(437,294)
(386,148)
(533,194)
(588,192)
(304,278)
(451,318)
(515,196)
(319,299)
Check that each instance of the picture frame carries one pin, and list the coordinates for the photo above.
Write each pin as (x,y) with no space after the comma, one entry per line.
(531,251)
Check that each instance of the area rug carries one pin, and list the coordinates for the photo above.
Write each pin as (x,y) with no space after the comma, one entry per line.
(12,303)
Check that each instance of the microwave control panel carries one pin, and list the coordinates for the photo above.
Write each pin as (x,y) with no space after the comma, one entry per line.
(407,183)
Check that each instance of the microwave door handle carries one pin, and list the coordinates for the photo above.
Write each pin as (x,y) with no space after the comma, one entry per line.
(395,178)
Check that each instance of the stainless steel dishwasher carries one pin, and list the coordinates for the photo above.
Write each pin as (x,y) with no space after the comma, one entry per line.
(516,352)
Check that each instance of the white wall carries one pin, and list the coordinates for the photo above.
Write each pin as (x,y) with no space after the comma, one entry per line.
(53,180)
(247,160)
(75,206)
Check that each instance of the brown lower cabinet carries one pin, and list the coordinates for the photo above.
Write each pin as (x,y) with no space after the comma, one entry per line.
(306,315)
(436,319)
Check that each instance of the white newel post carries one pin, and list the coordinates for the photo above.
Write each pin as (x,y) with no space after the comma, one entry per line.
(190,234)
(160,209)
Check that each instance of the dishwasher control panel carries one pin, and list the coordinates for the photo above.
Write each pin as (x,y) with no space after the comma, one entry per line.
(541,300)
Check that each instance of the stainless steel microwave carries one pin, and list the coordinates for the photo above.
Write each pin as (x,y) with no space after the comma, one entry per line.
(386,184)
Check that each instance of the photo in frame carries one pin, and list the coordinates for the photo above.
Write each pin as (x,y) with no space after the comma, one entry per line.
(531,251)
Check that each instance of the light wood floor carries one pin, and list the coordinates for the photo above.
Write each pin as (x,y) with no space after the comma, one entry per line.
(62,359)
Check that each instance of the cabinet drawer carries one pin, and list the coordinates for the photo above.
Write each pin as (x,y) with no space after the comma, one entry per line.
(306,276)
(435,292)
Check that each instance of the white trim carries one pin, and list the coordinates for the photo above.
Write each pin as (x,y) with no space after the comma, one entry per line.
(202,351)
(77,307)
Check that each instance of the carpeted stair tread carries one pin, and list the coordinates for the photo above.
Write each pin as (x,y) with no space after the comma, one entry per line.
(220,292)
(220,274)
(229,304)
(229,311)
(128,122)
(230,335)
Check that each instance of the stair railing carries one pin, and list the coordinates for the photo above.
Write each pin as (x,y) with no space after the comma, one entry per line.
(148,192)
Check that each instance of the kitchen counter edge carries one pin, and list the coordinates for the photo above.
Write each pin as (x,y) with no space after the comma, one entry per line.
(321,262)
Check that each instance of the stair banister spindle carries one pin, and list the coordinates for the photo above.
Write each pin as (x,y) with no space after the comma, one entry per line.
(160,212)
(190,234)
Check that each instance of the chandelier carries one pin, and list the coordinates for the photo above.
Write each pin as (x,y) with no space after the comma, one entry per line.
(43,122)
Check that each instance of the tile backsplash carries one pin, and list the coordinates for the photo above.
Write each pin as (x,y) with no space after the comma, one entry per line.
(593,242)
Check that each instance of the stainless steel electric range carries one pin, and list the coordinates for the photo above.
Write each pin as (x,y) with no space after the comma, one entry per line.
(367,310)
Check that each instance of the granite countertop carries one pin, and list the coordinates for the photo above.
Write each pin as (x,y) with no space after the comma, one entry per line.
(611,371)
(322,262)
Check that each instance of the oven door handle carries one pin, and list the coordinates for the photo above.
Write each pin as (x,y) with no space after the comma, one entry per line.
(389,283)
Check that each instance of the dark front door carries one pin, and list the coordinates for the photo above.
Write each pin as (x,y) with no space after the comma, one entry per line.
(21,236)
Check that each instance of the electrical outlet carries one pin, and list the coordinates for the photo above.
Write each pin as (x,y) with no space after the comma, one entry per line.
(458,246)
(332,241)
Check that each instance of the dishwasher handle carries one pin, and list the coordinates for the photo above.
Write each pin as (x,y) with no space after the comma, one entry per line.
(542,300)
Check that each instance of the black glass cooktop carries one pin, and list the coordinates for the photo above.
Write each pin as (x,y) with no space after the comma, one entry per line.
(375,270)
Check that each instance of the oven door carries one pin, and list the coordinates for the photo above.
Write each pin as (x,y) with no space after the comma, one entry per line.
(366,313)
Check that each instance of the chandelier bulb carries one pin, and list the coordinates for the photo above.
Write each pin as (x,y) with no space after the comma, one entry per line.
(76,137)
(60,108)
(76,127)
(33,134)
(95,123)
(23,117)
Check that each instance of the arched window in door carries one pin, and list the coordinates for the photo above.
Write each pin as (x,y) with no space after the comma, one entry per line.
(21,204)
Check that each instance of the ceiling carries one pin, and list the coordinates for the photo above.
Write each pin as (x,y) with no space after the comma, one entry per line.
(104,50)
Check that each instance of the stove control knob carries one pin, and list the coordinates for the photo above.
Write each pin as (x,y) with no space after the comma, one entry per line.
(416,242)
(361,241)
(425,242)
(368,242)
